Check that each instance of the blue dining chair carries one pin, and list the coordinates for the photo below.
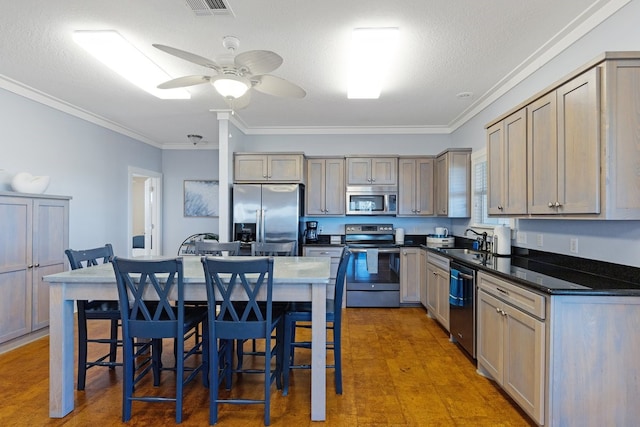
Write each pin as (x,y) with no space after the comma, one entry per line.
(250,280)
(299,315)
(95,310)
(151,296)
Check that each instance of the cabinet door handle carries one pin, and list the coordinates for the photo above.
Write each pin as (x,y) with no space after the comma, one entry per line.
(497,310)
(557,204)
(502,290)
(30,266)
(503,313)
(550,204)
(37,265)
(500,207)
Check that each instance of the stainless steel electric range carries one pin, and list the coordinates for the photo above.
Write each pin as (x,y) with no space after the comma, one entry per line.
(373,275)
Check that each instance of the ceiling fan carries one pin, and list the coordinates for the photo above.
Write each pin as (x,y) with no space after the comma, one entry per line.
(236,75)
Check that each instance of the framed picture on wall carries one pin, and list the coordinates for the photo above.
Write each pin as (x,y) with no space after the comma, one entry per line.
(201,198)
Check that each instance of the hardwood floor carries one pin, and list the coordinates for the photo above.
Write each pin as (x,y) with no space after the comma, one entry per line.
(399,369)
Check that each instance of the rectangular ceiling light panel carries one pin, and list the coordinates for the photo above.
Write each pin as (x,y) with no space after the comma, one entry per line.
(117,53)
(370,58)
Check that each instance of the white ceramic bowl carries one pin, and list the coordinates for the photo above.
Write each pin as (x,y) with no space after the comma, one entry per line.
(24,182)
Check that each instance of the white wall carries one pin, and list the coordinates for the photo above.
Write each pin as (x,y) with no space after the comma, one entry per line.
(85,161)
(177,166)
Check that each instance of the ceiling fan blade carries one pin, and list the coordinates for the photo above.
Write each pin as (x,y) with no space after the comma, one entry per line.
(258,61)
(239,103)
(272,85)
(188,56)
(184,82)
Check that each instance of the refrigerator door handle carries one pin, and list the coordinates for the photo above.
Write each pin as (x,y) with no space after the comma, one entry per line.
(258,226)
(263,237)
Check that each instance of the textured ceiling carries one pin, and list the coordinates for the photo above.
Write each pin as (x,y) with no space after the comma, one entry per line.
(446,47)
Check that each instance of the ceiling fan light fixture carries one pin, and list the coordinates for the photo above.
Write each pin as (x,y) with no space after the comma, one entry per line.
(117,53)
(231,86)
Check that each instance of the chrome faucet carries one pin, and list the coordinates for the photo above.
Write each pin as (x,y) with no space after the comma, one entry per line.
(482,240)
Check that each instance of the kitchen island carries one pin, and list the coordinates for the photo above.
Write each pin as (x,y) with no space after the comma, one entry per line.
(570,356)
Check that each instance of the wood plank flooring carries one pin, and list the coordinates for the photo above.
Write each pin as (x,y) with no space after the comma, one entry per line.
(399,369)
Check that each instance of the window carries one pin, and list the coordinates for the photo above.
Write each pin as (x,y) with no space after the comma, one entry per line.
(480,211)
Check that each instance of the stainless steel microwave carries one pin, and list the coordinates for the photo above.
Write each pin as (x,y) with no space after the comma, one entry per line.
(372,200)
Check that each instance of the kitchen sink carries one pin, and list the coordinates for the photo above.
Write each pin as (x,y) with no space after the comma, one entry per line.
(468,255)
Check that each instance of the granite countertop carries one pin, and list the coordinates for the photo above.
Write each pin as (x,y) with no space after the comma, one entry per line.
(554,274)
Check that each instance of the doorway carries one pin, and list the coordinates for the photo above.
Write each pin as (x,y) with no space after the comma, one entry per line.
(145,202)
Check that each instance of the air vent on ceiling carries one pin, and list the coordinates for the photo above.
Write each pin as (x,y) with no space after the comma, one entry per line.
(210,7)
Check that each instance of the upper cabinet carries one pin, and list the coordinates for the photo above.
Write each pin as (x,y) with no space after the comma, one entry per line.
(453,183)
(372,171)
(581,140)
(564,148)
(273,167)
(325,187)
(415,189)
(507,160)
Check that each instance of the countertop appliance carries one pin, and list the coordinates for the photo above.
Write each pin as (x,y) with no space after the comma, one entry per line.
(373,274)
(462,306)
(372,200)
(311,232)
(502,240)
(267,212)
(434,241)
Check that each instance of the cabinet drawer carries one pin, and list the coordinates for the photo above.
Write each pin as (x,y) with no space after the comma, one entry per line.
(438,261)
(330,251)
(525,300)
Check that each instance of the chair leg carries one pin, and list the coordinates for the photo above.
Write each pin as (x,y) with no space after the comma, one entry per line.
(337,358)
(179,378)
(239,353)
(128,374)
(214,373)
(82,350)
(288,350)
(267,383)
(156,360)
(113,346)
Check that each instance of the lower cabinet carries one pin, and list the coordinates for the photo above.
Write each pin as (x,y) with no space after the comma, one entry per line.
(410,275)
(438,289)
(335,252)
(34,232)
(511,343)
(422,259)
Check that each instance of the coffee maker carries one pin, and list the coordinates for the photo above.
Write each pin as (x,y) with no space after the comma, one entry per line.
(311,232)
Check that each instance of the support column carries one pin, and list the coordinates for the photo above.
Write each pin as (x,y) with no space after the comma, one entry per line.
(225,177)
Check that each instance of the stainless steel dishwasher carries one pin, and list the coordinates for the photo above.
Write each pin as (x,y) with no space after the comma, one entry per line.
(462,306)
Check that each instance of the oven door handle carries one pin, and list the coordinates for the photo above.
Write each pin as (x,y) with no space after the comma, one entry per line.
(380,250)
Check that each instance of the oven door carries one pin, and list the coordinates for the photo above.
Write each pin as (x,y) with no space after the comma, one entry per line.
(373,277)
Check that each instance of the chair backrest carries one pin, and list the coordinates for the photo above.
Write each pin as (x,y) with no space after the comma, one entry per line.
(340,281)
(89,257)
(148,290)
(249,280)
(217,248)
(273,249)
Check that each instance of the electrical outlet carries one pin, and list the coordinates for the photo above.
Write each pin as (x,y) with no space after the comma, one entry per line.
(573,246)
(539,240)
(521,237)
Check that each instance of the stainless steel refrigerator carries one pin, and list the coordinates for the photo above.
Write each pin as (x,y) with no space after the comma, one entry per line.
(267,212)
